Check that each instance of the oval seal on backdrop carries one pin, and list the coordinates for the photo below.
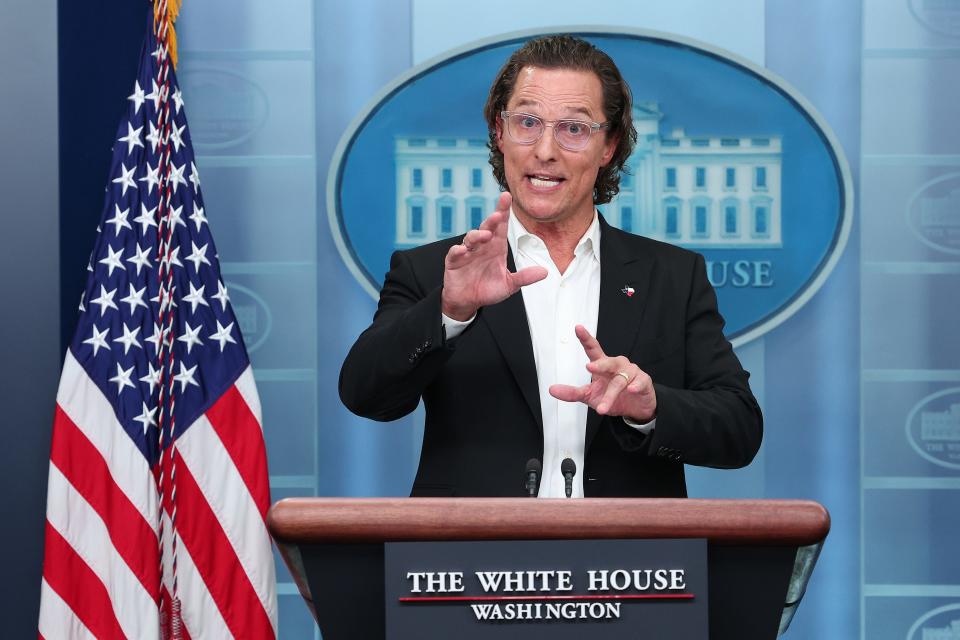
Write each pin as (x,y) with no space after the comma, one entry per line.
(938,16)
(933,213)
(253,315)
(226,108)
(933,428)
(940,623)
(731,162)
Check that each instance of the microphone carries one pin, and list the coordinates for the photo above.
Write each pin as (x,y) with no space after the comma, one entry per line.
(533,476)
(569,469)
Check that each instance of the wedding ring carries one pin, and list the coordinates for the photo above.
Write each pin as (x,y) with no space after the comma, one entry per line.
(625,376)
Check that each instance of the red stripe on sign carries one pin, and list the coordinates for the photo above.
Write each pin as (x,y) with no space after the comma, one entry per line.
(78,586)
(240,433)
(216,561)
(87,471)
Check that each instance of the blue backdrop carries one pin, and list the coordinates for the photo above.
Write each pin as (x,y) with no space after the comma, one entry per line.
(860,387)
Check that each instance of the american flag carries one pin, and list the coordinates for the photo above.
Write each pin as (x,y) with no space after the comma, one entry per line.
(157,405)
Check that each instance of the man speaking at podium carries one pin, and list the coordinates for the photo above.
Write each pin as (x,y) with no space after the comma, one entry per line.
(546,333)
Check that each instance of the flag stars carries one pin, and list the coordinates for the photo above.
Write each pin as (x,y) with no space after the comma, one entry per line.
(142,259)
(176,136)
(221,296)
(129,339)
(191,336)
(171,258)
(155,341)
(176,175)
(125,179)
(98,340)
(135,298)
(156,95)
(137,97)
(105,300)
(197,215)
(147,218)
(223,335)
(113,260)
(194,176)
(195,297)
(132,138)
(176,217)
(122,379)
(146,418)
(152,378)
(199,256)
(185,377)
(177,98)
(119,220)
(151,177)
(153,137)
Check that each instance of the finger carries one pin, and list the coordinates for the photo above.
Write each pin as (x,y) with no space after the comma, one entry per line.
(476,238)
(500,214)
(569,393)
(614,387)
(608,366)
(590,345)
(527,276)
(504,203)
(641,382)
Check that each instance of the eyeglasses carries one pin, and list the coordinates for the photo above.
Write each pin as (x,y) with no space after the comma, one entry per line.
(572,135)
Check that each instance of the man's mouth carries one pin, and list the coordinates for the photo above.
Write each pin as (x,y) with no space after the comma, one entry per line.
(544,182)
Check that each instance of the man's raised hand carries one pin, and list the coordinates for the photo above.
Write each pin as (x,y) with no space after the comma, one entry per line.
(475,272)
(617,386)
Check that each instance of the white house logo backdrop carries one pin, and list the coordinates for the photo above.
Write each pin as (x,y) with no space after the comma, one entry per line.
(729,162)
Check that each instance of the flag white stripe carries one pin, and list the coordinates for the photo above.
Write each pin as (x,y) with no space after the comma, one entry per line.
(84,530)
(200,614)
(247,387)
(225,491)
(57,619)
(85,405)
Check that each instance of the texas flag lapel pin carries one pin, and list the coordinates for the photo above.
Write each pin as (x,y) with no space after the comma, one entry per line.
(627,290)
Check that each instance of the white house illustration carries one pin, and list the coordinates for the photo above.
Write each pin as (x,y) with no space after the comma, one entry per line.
(941,425)
(694,191)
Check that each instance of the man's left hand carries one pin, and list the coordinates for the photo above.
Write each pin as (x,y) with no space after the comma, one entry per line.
(617,386)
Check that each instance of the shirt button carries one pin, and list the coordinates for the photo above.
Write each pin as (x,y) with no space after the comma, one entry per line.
(564,339)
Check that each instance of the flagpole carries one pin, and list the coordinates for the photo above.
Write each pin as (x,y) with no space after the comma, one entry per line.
(170,613)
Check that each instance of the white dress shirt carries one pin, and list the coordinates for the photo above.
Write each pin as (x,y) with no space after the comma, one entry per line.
(554,306)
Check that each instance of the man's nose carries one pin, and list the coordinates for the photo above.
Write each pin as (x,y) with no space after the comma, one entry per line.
(546,147)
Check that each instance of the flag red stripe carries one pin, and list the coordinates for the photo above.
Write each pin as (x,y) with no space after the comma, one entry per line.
(79,587)
(214,557)
(242,437)
(84,466)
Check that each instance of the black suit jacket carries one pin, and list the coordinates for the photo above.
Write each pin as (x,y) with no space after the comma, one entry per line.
(480,391)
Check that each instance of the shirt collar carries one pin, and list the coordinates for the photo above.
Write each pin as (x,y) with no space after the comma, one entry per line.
(517,235)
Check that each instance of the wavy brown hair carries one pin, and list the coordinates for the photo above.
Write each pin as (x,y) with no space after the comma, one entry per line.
(569,52)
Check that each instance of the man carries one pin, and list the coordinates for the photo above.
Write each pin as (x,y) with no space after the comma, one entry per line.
(494,330)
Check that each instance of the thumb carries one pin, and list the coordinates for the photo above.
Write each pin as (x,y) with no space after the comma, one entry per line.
(528,276)
(569,393)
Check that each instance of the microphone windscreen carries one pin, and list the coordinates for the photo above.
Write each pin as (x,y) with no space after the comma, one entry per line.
(568,467)
(533,465)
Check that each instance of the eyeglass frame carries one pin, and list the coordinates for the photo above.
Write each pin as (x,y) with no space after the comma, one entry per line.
(593,126)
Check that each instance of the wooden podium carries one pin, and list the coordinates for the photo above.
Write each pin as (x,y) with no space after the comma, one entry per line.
(760,552)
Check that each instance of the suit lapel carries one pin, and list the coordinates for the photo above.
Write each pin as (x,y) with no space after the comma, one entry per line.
(507,322)
(621,311)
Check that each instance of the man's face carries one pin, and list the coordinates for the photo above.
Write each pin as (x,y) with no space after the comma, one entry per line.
(549,183)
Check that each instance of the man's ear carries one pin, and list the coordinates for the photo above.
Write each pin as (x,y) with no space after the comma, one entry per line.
(609,148)
(499,129)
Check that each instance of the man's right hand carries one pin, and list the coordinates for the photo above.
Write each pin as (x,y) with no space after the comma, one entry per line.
(475,272)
